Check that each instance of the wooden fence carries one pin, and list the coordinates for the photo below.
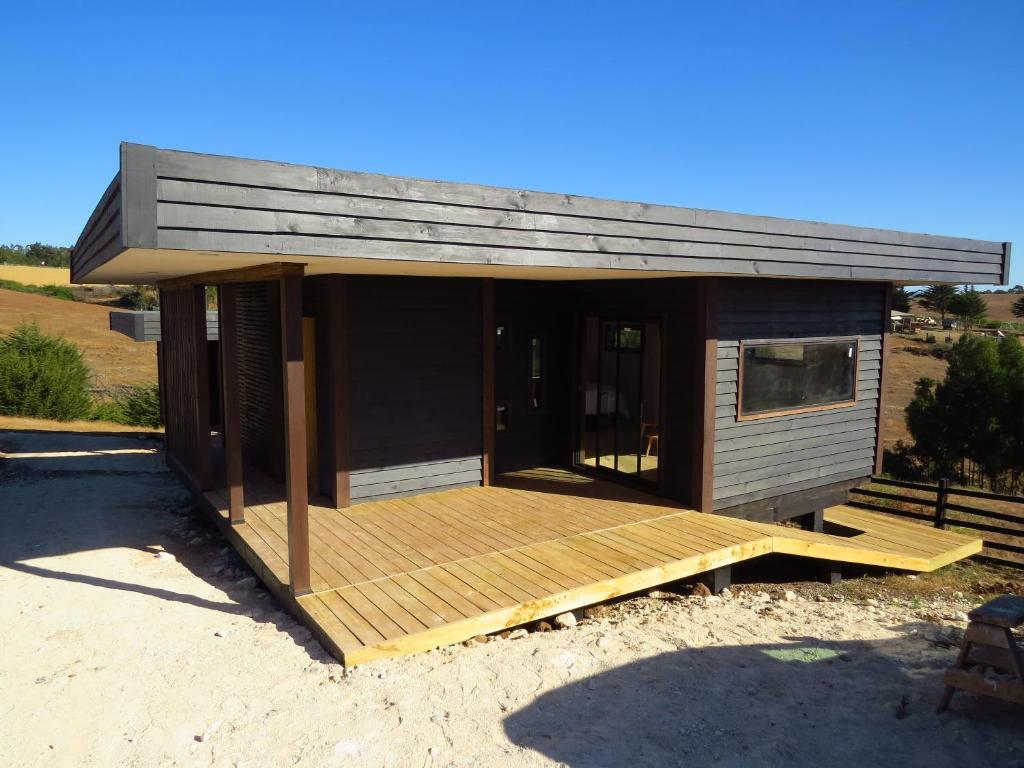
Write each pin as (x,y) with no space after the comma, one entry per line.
(1001,520)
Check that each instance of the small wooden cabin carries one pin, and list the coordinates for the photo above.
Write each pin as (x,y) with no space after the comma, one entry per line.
(386,337)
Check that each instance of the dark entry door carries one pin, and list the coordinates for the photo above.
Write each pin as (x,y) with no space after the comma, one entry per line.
(620,397)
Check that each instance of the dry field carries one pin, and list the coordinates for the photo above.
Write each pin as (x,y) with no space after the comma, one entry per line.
(115,359)
(35,275)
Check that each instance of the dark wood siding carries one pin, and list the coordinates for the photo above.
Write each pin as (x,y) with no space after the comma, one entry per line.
(185,383)
(184,201)
(415,351)
(100,240)
(763,458)
(259,376)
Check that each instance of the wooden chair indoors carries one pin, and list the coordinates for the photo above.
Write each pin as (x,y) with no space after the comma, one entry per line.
(649,434)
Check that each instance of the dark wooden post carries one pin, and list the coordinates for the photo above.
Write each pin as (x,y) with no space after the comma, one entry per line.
(338,484)
(230,406)
(296,490)
(703,476)
(882,383)
(204,458)
(941,498)
(488,331)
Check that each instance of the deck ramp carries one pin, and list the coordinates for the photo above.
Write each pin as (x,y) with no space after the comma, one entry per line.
(400,576)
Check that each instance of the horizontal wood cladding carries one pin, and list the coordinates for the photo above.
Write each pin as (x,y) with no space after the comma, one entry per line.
(260,388)
(773,456)
(185,383)
(101,238)
(415,385)
(225,204)
(144,325)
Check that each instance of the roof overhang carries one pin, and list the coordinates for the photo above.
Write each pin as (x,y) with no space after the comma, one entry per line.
(169,214)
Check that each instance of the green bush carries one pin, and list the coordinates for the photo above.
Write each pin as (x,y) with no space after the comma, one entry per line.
(138,406)
(42,376)
(54,291)
(140,297)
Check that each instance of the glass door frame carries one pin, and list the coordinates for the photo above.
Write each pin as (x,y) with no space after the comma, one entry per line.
(613,473)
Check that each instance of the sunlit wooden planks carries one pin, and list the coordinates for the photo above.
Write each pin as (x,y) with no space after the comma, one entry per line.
(400,576)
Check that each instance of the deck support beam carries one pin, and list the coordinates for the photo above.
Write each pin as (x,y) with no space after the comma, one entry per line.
(230,406)
(718,579)
(294,390)
(833,572)
(488,425)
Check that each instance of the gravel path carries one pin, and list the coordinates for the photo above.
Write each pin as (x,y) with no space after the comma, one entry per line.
(132,636)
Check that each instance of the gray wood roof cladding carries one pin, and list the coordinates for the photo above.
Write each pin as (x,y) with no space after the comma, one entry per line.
(144,325)
(183,201)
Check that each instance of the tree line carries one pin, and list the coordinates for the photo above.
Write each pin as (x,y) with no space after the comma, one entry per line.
(966,304)
(970,426)
(36,255)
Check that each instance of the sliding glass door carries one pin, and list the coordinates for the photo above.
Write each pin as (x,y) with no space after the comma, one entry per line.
(620,396)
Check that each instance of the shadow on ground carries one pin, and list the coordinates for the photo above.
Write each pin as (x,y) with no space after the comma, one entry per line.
(805,703)
(65,493)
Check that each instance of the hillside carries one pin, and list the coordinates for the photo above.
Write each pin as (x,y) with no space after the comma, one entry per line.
(998,307)
(29,275)
(115,359)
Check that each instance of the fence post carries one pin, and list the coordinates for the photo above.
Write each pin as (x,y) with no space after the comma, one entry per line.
(940,503)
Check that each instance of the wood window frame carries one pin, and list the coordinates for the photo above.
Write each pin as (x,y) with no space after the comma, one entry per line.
(740,416)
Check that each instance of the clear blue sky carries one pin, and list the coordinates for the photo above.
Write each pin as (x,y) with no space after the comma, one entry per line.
(907,115)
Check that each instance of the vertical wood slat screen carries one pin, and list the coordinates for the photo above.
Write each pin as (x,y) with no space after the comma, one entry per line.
(259,375)
(186,383)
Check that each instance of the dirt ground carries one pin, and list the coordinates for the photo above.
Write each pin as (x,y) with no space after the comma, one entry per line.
(133,636)
(115,359)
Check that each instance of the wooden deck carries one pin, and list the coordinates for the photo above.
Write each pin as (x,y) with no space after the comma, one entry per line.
(405,575)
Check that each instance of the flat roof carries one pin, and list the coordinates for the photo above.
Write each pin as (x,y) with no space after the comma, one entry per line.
(170,214)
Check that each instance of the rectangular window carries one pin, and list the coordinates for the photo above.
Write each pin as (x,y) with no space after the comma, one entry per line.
(501,338)
(501,417)
(777,378)
(536,392)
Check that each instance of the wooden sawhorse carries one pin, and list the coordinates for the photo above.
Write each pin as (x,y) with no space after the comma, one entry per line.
(989,644)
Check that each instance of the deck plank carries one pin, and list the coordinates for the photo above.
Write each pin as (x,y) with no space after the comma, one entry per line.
(401,575)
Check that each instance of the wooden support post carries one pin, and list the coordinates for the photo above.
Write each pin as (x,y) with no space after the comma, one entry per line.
(833,572)
(296,490)
(230,405)
(882,383)
(703,474)
(204,450)
(718,579)
(813,521)
(941,499)
(488,424)
(338,484)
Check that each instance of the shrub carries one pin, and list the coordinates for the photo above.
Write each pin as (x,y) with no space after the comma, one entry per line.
(42,376)
(54,291)
(144,297)
(138,406)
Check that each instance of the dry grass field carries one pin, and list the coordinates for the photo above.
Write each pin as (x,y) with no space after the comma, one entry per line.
(116,360)
(35,275)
